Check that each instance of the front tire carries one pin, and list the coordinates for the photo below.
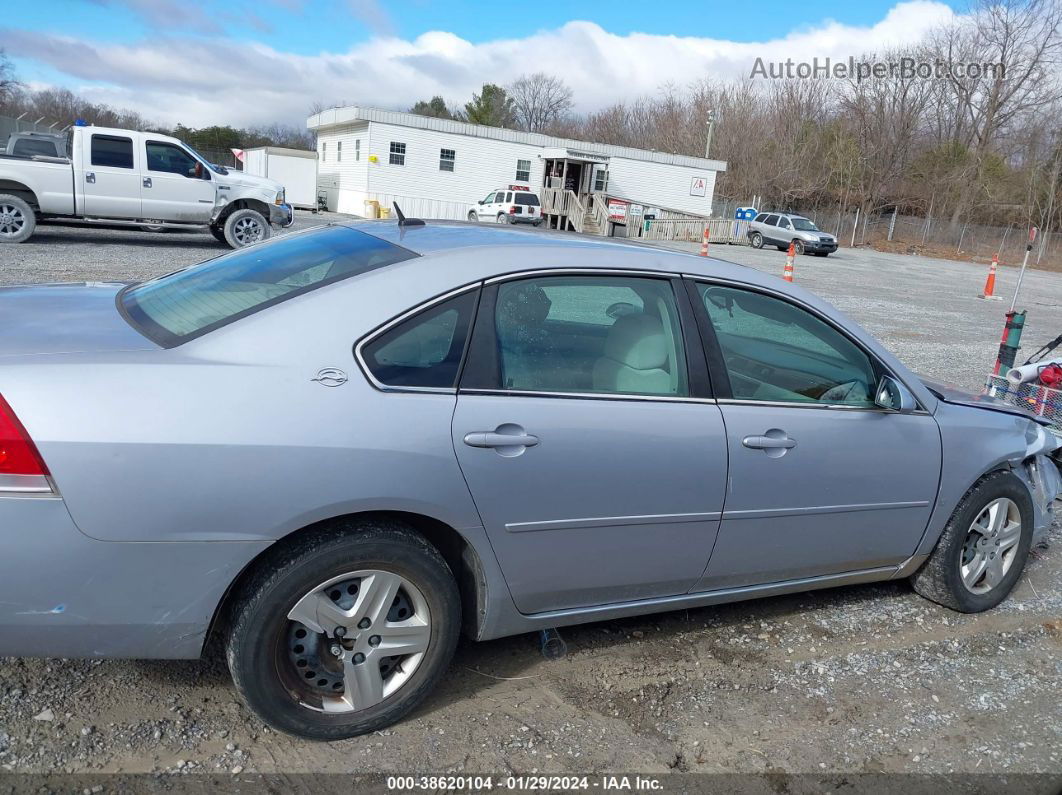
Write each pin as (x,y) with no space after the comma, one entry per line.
(983,549)
(798,246)
(472,217)
(345,631)
(17,219)
(246,227)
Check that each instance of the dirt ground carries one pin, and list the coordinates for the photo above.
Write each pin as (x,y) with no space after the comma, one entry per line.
(854,680)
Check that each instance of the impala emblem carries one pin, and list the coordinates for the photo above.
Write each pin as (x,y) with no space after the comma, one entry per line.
(330,376)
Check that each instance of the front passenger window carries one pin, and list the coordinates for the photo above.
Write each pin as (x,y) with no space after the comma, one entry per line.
(590,334)
(775,351)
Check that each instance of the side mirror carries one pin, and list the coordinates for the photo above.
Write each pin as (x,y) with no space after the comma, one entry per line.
(893,395)
(480,201)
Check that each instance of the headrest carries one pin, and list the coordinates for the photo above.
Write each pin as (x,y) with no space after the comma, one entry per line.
(524,303)
(638,342)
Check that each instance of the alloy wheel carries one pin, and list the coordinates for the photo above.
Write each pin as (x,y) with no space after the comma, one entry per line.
(247,231)
(353,641)
(991,546)
(12,220)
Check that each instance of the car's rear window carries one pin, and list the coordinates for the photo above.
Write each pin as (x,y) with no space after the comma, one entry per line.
(189,303)
(528,199)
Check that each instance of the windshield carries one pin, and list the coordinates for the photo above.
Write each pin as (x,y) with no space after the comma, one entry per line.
(804,225)
(527,199)
(189,303)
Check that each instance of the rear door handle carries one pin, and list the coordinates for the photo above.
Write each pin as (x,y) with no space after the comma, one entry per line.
(147,182)
(90,178)
(493,439)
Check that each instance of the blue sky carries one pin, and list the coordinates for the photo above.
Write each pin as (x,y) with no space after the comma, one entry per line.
(251,61)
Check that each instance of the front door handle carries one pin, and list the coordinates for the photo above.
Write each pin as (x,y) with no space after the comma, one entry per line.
(496,440)
(775,443)
(147,182)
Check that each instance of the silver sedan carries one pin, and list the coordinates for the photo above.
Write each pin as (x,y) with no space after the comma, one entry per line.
(339,449)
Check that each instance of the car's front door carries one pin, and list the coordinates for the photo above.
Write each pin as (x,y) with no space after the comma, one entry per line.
(486,208)
(176,186)
(597,472)
(822,481)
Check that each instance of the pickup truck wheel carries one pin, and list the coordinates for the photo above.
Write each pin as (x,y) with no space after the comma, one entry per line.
(17,219)
(246,227)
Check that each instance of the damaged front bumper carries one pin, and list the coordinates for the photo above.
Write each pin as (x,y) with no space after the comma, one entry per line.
(1040,471)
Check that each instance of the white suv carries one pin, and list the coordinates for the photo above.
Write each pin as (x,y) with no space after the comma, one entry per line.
(513,205)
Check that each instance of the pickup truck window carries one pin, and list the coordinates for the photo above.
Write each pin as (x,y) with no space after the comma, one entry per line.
(27,147)
(197,300)
(169,158)
(112,150)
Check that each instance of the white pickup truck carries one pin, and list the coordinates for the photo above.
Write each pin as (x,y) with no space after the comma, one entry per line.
(137,179)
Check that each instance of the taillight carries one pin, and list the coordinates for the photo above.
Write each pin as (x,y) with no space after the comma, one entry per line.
(22,469)
(512,210)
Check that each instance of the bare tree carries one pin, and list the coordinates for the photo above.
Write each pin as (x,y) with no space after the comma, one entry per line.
(9,86)
(540,100)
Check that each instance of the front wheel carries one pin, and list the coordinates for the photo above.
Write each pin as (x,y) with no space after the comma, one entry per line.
(246,227)
(345,631)
(472,217)
(756,240)
(17,219)
(798,246)
(982,551)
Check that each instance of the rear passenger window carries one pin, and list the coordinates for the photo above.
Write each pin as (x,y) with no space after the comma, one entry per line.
(772,220)
(424,351)
(761,218)
(112,150)
(590,334)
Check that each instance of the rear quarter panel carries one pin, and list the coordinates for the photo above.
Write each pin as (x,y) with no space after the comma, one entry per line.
(51,183)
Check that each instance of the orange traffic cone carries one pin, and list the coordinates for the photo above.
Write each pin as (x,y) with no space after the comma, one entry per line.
(704,242)
(990,282)
(787,273)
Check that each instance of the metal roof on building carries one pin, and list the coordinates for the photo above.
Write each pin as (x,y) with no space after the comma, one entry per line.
(352,114)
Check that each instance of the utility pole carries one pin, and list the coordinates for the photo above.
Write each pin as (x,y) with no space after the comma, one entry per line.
(711,129)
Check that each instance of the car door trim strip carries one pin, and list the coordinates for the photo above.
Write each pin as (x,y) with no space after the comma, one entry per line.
(811,510)
(609,521)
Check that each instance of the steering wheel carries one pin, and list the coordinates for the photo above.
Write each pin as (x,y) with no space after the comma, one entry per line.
(198,171)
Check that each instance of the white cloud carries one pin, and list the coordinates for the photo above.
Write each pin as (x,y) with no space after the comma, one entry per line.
(201,81)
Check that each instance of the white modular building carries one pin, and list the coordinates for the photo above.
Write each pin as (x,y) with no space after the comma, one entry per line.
(437,168)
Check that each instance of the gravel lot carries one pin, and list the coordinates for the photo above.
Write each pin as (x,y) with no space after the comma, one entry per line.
(853,680)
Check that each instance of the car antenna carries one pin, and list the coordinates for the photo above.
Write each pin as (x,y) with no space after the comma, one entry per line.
(403,221)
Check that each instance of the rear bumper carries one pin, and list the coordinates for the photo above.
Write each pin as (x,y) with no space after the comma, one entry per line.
(63,594)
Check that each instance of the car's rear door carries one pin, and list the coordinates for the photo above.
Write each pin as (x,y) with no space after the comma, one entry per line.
(586,435)
(110,177)
(822,481)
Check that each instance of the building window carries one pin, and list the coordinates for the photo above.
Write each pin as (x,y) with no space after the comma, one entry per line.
(398,154)
(600,180)
(446,159)
(523,170)
(324,152)
(339,152)
(357,149)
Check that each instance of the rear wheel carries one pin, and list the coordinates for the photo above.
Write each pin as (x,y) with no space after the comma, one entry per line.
(503,218)
(345,631)
(17,219)
(756,240)
(246,227)
(983,548)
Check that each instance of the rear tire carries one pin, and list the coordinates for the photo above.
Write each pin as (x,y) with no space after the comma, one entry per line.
(951,575)
(503,218)
(756,240)
(17,219)
(246,227)
(296,682)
